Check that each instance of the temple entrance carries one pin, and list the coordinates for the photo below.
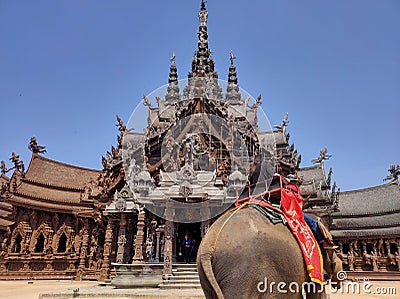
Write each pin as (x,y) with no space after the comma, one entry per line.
(193,230)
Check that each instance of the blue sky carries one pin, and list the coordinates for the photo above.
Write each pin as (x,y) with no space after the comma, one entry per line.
(68,67)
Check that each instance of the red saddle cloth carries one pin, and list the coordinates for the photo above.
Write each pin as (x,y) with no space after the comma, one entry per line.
(292,208)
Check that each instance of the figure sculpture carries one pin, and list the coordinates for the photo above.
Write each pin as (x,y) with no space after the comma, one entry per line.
(322,156)
(35,148)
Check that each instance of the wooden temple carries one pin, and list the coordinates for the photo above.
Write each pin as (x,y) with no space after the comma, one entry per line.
(63,221)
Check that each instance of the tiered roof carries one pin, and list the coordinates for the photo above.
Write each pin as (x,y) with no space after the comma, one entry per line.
(314,180)
(54,186)
(370,212)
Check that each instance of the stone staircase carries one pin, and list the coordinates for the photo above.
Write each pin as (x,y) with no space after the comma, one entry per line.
(184,276)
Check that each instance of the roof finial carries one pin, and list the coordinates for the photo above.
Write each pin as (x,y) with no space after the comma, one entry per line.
(173,58)
(394,173)
(35,148)
(232,57)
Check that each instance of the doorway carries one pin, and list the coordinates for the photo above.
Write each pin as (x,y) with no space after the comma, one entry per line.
(193,230)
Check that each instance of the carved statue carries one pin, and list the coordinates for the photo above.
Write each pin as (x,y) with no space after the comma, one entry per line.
(374,261)
(35,148)
(256,104)
(381,251)
(398,260)
(322,156)
(350,260)
(3,167)
(298,161)
(394,172)
(366,257)
(18,164)
(335,204)
(284,123)
(189,152)
(146,102)
(328,180)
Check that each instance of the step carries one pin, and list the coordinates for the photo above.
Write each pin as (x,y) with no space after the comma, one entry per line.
(183,265)
(184,277)
(180,286)
(182,281)
(186,269)
(185,273)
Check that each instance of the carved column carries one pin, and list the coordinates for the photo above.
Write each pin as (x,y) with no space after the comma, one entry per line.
(169,233)
(138,257)
(158,235)
(84,248)
(105,270)
(121,240)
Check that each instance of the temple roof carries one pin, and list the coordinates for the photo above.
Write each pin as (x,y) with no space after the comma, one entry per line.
(57,174)
(314,179)
(373,211)
(55,186)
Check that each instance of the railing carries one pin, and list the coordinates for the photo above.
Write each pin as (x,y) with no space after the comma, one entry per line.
(266,190)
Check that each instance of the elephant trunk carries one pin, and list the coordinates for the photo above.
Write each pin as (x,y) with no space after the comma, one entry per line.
(206,265)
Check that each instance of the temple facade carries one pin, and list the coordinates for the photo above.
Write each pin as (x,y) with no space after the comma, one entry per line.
(63,221)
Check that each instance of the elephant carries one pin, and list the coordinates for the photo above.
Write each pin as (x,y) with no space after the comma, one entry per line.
(244,255)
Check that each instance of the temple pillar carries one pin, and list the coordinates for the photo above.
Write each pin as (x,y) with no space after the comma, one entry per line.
(105,270)
(158,240)
(138,244)
(84,248)
(168,237)
(121,240)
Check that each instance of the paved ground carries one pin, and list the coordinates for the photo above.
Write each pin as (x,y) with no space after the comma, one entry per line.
(23,289)
(64,289)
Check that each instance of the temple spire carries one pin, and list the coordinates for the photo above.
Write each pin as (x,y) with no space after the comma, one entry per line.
(173,87)
(232,77)
(173,71)
(202,63)
(232,90)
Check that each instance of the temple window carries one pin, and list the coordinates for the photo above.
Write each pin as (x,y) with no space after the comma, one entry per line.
(62,243)
(39,243)
(17,246)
